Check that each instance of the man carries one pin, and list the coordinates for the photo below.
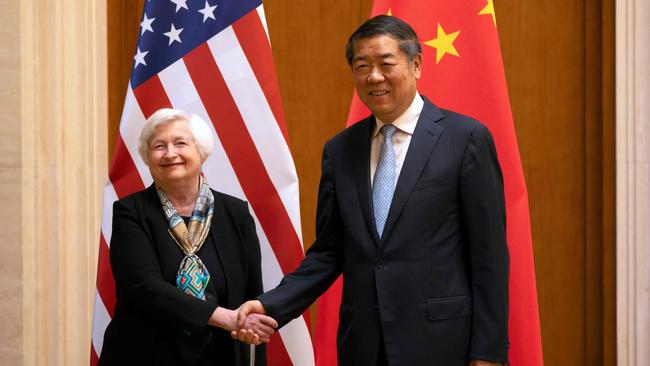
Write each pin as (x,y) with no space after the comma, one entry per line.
(411,210)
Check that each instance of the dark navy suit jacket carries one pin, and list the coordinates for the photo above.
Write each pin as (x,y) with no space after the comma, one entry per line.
(435,286)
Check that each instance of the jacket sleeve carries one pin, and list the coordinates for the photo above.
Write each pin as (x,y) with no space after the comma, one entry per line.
(484,228)
(139,279)
(323,261)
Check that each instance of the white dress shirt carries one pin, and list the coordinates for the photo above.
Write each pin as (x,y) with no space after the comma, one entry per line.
(405,124)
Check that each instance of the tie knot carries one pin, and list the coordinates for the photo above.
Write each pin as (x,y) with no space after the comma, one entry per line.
(389,131)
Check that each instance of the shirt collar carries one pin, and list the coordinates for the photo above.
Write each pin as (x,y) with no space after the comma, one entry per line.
(406,121)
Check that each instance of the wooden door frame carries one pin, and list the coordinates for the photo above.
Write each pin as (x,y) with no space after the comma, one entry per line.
(600,185)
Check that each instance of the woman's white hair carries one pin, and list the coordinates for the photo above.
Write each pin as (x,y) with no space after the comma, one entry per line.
(200,130)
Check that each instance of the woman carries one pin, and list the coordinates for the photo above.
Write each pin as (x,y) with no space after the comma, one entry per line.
(181,254)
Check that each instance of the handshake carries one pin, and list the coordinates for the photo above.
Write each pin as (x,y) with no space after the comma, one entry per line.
(247,324)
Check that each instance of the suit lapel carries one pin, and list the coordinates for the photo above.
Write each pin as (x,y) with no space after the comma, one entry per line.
(159,224)
(424,139)
(361,155)
(223,243)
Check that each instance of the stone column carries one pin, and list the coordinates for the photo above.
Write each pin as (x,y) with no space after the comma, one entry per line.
(11,267)
(52,169)
(633,181)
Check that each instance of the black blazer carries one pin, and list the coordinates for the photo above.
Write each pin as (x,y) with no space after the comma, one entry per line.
(436,284)
(154,323)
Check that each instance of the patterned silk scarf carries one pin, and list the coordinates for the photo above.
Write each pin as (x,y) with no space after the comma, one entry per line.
(192,277)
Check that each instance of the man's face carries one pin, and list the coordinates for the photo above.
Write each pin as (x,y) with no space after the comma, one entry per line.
(384,79)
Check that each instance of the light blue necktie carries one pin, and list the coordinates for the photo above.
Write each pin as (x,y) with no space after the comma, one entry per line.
(383,184)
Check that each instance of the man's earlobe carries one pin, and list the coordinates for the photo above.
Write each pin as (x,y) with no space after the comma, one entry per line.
(417,62)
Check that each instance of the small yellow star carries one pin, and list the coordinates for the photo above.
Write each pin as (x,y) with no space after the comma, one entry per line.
(443,43)
(390,13)
(489,9)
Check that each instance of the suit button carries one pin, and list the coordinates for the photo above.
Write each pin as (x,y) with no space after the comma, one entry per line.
(380,266)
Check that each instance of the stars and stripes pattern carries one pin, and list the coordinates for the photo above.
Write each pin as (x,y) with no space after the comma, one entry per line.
(213,58)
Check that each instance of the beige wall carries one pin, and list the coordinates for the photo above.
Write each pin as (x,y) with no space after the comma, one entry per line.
(11,287)
(52,168)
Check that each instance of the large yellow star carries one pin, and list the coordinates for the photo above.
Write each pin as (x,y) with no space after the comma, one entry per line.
(390,13)
(443,43)
(489,9)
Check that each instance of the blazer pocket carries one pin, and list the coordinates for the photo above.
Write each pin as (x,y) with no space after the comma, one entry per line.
(431,182)
(449,307)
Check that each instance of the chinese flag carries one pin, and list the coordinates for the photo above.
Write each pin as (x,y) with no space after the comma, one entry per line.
(463,71)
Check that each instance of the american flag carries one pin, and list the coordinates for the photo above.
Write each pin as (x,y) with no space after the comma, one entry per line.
(213,58)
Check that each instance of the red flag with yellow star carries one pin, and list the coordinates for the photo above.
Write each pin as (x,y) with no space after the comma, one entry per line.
(462,70)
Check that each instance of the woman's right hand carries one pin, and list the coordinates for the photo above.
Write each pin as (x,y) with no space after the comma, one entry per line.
(224,318)
(256,328)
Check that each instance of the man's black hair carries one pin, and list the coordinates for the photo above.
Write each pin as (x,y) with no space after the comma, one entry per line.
(390,26)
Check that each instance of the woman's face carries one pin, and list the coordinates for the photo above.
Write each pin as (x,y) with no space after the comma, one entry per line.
(173,155)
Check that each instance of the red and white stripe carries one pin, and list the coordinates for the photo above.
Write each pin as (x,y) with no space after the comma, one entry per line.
(229,81)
